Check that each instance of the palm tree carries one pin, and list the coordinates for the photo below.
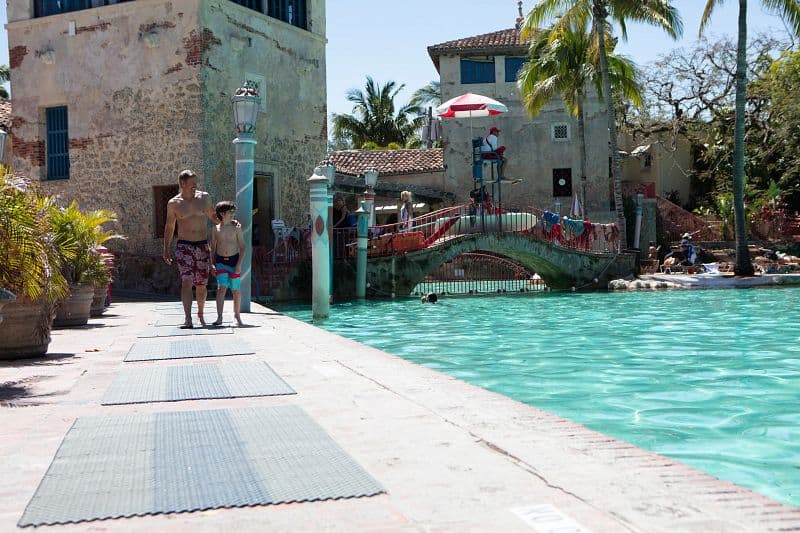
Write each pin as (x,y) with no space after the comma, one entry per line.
(567,64)
(374,118)
(429,95)
(790,11)
(577,13)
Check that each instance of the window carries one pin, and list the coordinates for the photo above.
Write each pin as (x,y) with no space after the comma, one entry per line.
(560,131)
(293,12)
(562,182)
(474,71)
(57,143)
(44,8)
(513,66)
(647,160)
(255,5)
(161,195)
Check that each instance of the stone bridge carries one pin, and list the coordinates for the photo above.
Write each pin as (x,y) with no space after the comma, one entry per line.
(559,267)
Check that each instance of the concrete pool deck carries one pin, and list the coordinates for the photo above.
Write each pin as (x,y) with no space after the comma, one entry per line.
(451,456)
(704,281)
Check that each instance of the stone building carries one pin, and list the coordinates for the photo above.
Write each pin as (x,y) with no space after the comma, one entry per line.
(542,150)
(659,164)
(111,100)
(420,171)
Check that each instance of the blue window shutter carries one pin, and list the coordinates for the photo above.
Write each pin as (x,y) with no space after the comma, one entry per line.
(57,143)
(473,71)
(513,66)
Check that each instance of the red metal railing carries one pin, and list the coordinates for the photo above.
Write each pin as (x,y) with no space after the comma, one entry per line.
(444,225)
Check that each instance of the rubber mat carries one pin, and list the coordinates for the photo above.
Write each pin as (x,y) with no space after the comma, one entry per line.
(178,332)
(235,379)
(153,350)
(153,463)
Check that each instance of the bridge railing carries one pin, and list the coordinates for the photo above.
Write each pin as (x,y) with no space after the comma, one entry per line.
(443,225)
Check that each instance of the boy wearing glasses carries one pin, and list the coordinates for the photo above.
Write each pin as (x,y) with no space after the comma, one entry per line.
(227,248)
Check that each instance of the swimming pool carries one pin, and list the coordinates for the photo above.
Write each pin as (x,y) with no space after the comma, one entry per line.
(711,378)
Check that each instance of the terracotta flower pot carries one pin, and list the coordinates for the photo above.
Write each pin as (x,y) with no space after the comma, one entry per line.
(5,298)
(98,301)
(74,311)
(25,329)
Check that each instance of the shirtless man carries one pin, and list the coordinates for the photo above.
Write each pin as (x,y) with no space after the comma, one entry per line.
(189,210)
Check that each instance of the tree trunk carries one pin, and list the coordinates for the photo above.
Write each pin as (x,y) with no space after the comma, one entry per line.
(744,267)
(582,141)
(600,13)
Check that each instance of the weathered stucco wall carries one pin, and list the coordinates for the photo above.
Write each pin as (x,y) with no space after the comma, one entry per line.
(148,86)
(532,154)
(134,118)
(291,133)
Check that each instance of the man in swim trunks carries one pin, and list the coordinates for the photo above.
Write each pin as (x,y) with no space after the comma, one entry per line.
(189,210)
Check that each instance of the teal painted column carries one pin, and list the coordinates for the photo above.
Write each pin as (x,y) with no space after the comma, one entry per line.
(320,246)
(361,262)
(245,167)
(329,171)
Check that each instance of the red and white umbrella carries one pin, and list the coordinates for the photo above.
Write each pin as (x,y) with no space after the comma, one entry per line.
(471,105)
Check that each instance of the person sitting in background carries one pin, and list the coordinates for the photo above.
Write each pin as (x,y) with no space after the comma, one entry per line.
(689,253)
(491,150)
(652,251)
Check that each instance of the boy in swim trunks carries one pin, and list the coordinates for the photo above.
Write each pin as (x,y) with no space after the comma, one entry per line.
(227,247)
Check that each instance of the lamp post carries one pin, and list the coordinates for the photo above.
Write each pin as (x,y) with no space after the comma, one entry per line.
(245,112)
(361,256)
(371,178)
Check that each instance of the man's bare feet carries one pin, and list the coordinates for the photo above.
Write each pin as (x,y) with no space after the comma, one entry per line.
(217,322)
(187,324)
(238,320)
(201,319)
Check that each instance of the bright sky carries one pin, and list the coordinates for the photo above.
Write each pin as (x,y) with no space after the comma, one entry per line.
(389,40)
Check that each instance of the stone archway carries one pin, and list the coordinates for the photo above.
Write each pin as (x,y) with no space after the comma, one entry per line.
(560,268)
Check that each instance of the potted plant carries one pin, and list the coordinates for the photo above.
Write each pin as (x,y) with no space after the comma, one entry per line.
(30,267)
(99,275)
(86,270)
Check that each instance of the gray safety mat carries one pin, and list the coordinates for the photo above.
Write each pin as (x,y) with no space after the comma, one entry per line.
(152,463)
(233,379)
(153,350)
(177,320)
(178,332)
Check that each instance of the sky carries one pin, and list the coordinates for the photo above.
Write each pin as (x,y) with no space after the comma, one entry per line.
(389,40)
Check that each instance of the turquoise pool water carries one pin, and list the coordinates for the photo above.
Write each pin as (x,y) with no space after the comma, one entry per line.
(711,378)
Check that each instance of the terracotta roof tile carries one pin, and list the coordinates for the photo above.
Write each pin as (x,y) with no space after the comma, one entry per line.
(507,40)
(5,113)
(388,162)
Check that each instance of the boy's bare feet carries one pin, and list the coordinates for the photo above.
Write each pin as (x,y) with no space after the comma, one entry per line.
(238,320)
